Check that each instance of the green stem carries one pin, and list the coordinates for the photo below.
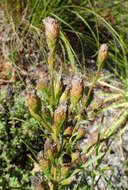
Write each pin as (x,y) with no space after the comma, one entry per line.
(100,64)
(91,88)
(55,184)
(52,79)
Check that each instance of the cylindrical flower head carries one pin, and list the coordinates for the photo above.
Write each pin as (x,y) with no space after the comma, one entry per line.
(76,90)
(81,133)
(34,103)
(103,51)
(51,32)
(60,113)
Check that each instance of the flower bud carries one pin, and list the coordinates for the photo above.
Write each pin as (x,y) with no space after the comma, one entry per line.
(82,115)
(79,159)
(38,184)
(34,104)
(40,155)
(68,131)
(45,164)
(51,32)
(83,158)
(69,180)
(76,90)
(60,113)
(65,170)
(75,156)
(36,168)
(103,51)
(58,88)
(66,95)
(42,85)
(81,133)
(66,165)
(50,148)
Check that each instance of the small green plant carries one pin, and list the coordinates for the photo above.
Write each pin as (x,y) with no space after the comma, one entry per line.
(60,116)
(17,129)
(58,109)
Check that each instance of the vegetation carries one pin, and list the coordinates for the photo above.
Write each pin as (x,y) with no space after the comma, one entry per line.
(53,91)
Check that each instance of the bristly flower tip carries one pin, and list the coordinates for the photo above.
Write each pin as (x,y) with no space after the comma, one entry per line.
(103,51)
(52,30)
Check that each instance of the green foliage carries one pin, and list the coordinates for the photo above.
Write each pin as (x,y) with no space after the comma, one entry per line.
(17,131)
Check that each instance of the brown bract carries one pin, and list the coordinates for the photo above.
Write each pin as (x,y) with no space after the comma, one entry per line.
(60,113)
(34,102)
(77,87)
(50,148)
